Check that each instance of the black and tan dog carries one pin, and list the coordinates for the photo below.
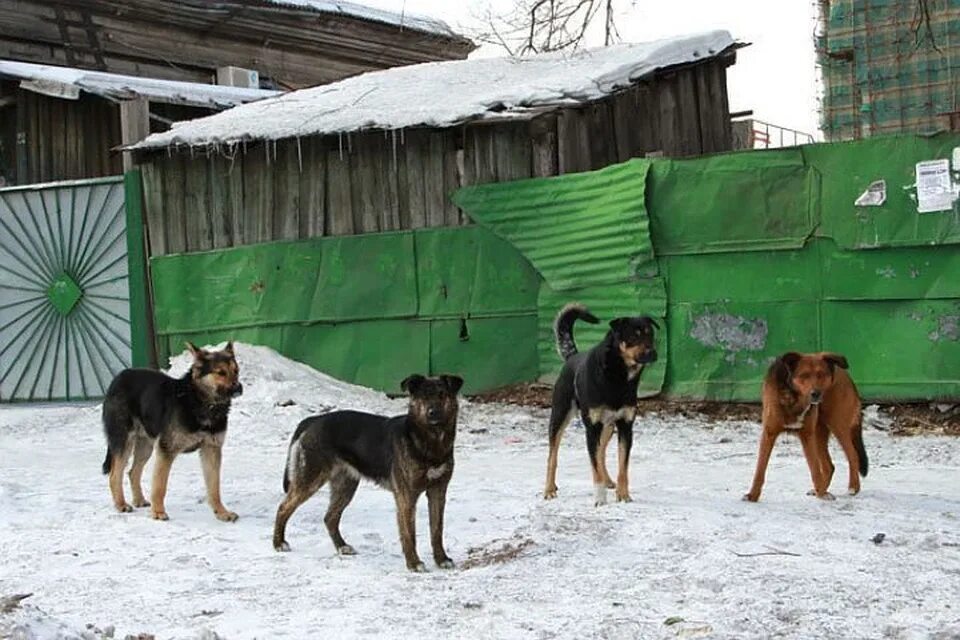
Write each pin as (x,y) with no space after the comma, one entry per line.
(602,384)
(144,408)
(812,395)
(406,455)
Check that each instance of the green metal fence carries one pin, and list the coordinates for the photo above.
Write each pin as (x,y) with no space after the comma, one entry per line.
(742,255)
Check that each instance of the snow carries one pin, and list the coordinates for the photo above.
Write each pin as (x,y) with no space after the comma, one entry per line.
(403,20)
(568,569)
(440,94)
(67,82)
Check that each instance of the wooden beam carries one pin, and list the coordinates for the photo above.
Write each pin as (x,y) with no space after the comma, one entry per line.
(134,126)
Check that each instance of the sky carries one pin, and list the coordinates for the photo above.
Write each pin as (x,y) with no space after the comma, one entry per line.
(776,76)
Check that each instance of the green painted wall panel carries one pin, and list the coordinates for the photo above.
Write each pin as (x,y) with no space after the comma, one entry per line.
(744,276)
(886,274)
(733,202)
(284,282)
(722,350)
(898,348)
(847,169)
(488,352)
(461,273)
(360,308)
(374,353)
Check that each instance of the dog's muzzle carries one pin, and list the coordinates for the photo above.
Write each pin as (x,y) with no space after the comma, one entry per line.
(648,357)
(816,397)
(236,390)
(434,416)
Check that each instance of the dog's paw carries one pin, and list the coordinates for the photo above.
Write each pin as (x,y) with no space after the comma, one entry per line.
(159,515)
(346,550)
(227,516)
(124,508)
(600,495)
(750,497)
(853,491)
(624,497)
(811,492)
(417,567)
(827,496)
(140,504)
(549,493)
(611,484)
(446,563)
(283,546)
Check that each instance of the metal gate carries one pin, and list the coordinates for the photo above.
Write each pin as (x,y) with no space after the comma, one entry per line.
(64,298)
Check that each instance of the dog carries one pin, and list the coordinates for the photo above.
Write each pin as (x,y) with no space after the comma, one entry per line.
(407,455)
(812,395)
(146,409)
(602,384)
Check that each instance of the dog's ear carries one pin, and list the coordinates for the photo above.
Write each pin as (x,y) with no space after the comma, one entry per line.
(619,324)
(410,384)
(784,366)
(196,351)
(229,348)
(835,360)
(649,320)
(453,383)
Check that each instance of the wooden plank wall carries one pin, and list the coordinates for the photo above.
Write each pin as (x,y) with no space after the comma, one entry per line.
(66,139)
(375,181)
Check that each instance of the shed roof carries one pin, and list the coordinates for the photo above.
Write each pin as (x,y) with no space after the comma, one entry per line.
(441,94)
(403,20)
(68,82)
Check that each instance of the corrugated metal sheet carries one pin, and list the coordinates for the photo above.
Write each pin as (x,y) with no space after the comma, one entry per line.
(588,235)
(577,230)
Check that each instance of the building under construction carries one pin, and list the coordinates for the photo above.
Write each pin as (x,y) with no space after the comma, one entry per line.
(889,66)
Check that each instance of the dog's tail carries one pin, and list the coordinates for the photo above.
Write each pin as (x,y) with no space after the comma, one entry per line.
(861,451)
(563,327)
(107,463)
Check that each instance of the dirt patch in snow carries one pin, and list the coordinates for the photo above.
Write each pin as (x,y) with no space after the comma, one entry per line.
(496,552)
(901,419)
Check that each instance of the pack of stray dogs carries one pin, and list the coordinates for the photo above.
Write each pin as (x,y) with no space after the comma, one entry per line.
(810,395)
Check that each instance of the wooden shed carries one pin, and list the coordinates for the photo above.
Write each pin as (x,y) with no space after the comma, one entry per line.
(290,43)
(61,123)
(383,151)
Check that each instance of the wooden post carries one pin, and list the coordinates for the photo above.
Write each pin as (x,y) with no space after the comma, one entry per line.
(134,126)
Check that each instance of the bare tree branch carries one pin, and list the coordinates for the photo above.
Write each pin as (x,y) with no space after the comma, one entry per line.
(539,26)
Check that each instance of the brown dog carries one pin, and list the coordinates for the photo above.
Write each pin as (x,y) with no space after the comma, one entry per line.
(813,396)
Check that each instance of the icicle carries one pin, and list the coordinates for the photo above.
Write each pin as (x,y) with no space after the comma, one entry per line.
(349,143)
(266,148)
(299,155)
(340,140)
(403,135)
(393,144)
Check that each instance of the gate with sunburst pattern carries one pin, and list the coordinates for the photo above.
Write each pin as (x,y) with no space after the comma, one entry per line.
(64,299)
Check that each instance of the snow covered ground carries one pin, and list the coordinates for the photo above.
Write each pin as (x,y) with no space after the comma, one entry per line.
(664,566)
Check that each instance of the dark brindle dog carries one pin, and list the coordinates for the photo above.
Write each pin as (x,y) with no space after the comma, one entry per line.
(145,407)
(602,384)
(407,455)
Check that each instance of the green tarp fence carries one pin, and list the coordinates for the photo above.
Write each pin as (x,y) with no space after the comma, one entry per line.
(369,309)
(763,252)
(740,256)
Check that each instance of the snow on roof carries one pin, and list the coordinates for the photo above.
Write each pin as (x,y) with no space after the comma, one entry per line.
(403,20)
(67,82)
(440,94)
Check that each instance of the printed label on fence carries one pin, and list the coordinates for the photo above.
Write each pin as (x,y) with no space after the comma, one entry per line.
(934,186)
